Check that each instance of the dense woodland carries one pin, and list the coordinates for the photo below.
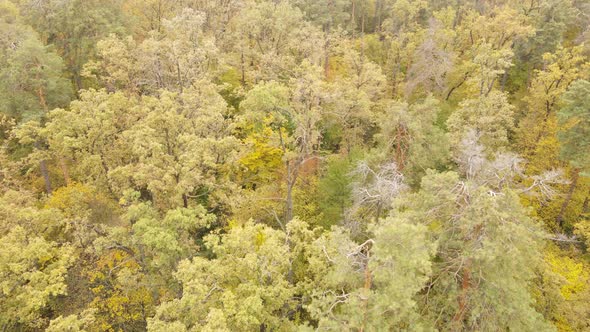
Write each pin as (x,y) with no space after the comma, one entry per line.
(294,165)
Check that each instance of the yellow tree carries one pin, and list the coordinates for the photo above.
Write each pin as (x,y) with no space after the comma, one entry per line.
(537,129)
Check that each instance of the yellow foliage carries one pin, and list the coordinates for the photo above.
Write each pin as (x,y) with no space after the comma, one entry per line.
(119,300)
(574,274)
(259,239)
(263,159)
(65,198)
(78,200)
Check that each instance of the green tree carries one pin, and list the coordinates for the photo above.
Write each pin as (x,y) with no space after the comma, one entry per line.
(486,241)
(270,40)
(574,119)
(357,283)
(182,146)
(537,129)
(410,133)
(537,133)
(335,190)
(354,90)
(245,287)
(33,273)
(295,113)
(90,132)
(173,57)
(74,27)
(169,146)
(134,263)
(32,81)
(490,116)
(31,78)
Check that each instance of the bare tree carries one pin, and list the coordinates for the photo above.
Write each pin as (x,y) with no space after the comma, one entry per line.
(375,189)
(431,65)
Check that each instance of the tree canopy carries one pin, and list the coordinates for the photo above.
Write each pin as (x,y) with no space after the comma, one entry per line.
(294,165)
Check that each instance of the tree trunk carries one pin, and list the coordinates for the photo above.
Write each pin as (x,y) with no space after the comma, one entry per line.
(43,163)
(568,197)
(367,288)
(327,54)
(504,80)
(289,202)
(45,174)
(64,169)
(327,29)
(243,70)
(352,13)
(401,147)
(179,77)
(378,9)
(44,171)
(462,300)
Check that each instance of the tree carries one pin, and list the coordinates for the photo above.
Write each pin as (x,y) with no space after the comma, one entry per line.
(245,287)
(74,27)
(552,20)
(410,133)
(574,118)
(537,129)
(173,57)
(565,284)
(403,14)
(484,43)
(330,15)
(473,239)
(295,112)
(431,63)
(32,81)
(72,323)
(135,261)
(537,133)
(149,15)
(491,116)
(87,214)
(334,190)
(375,188)
(193,151)
(575,121)
(90,132)
(31,78)
(357,283)
(182,146)
(357,85)
(270,40)
(32,273)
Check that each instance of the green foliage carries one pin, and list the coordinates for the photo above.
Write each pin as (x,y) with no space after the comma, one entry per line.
(357,283)
(74,27)
(491,117)
(483,242)
(170,145)
(410,133)
(135,263)
(31,74)
(335,190)
(282,165)
(32,273)
(245,287)
(574,118)
(72,323)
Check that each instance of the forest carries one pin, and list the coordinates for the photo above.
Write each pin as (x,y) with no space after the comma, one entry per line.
(294,165)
